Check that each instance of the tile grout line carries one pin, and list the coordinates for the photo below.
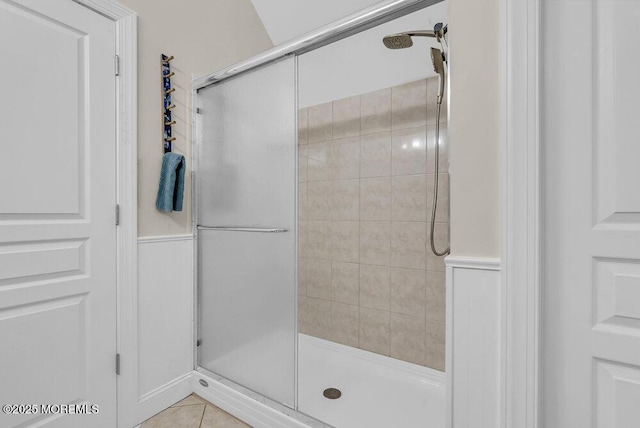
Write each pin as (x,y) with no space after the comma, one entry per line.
(202,416)
(390,211)
(359,210)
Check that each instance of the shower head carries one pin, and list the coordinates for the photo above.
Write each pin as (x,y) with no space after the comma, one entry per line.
(438,66)
(403,40)
(397,41)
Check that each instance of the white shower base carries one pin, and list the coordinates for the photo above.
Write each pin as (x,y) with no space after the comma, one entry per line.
(377,391)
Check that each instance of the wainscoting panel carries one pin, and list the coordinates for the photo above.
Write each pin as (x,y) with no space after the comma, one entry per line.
(165,321)
(473,342)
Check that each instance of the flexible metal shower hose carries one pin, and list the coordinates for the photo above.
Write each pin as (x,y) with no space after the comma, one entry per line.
(435,190)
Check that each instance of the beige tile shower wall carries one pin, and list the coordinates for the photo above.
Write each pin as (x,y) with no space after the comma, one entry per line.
(366,171)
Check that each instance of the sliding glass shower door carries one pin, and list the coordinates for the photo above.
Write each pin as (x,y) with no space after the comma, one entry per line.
(246,184)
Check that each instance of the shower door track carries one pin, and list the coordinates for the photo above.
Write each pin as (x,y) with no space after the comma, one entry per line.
(216,381)
(315,39)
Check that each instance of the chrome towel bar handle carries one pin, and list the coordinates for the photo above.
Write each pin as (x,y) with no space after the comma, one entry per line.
(242,229)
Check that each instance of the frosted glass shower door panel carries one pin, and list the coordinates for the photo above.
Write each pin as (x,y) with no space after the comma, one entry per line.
(248,152)
(247,185)
(247,320)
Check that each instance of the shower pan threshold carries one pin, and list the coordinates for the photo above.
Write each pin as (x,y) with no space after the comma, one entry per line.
(377,391)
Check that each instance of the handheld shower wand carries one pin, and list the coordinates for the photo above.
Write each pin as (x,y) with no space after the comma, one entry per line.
(438,67)
(438,58)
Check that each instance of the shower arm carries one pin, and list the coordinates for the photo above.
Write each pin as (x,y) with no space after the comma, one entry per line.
(422,33)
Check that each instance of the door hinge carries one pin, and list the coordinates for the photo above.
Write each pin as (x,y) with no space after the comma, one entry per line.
(117,65)
(117,214)
(117,364)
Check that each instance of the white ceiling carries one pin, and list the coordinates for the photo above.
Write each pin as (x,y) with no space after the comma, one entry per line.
(287,19)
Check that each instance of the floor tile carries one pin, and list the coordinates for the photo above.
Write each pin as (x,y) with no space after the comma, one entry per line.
(177,417)
(217,418)
(193,412)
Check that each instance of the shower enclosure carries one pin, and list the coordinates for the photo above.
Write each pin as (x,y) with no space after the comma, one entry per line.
(300,185)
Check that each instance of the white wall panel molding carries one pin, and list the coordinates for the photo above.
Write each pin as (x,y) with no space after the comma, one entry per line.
(482,263)
(165,322)
(474,340)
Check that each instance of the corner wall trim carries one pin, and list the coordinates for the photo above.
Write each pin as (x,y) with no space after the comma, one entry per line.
(521,80)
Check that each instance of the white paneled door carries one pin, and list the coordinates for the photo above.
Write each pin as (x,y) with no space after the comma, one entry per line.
(57,215)
(591,175)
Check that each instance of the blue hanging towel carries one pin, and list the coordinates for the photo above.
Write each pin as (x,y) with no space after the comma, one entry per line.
(171,189)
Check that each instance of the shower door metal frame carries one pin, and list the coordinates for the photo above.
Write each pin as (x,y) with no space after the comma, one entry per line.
(196,226)
(336,31)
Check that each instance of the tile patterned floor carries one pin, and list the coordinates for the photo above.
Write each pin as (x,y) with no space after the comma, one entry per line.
(193,412)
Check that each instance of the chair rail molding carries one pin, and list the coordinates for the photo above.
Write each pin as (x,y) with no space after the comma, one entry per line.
(521,288)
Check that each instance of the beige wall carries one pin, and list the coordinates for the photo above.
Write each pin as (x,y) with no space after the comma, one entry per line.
(203,35)
(474,128)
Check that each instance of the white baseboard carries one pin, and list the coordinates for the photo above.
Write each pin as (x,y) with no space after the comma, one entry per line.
(165,396)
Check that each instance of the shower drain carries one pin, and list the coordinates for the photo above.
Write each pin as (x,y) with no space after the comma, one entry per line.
(332,393)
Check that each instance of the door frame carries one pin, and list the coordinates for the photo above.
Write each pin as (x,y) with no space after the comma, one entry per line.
(125,20)
(522,233)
